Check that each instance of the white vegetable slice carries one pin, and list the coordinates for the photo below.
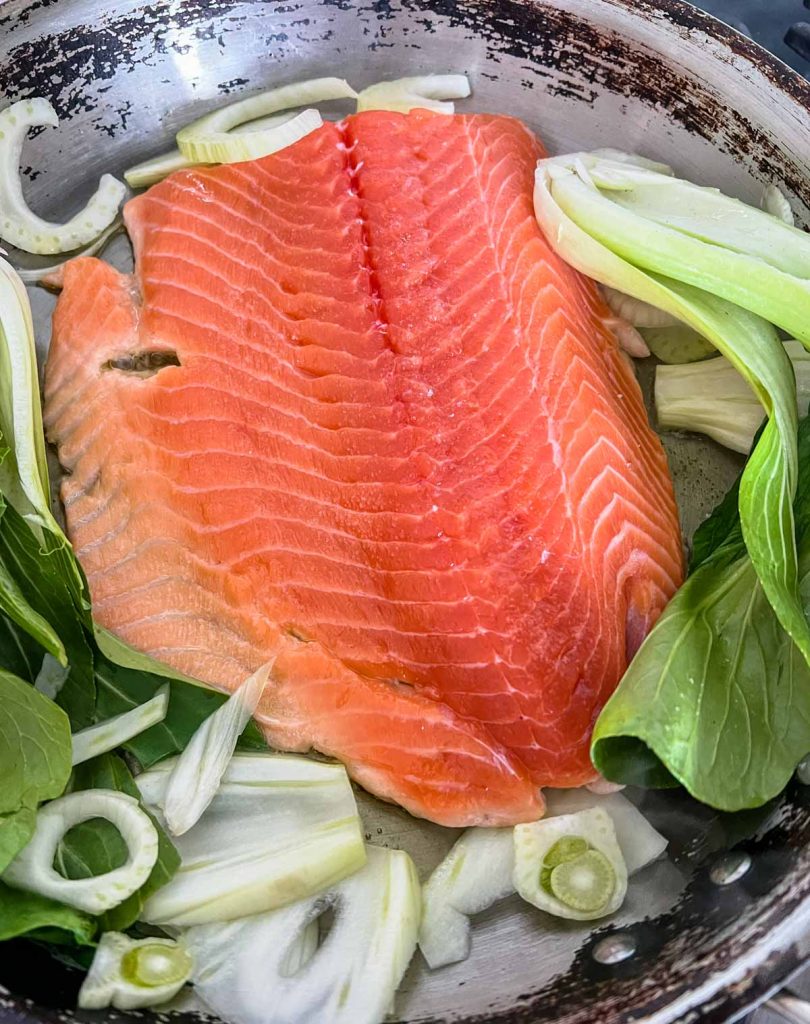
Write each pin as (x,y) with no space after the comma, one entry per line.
(211,140)
(279,829)
(629,339)
(130,974)
(422,91)
(37,274)
(571,865)
(98,739)
(18,224)
(198,771)
(775,203)
(32,869)
(639,842)
(476,873)
(242,969)
(636,312)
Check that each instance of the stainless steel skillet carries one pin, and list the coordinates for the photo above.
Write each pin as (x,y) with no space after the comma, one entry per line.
(655,77)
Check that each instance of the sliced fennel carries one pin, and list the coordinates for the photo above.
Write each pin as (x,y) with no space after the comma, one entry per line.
(32,869)
(678,343)
(571,865)
(244,972)
(630,340)
(426,92)
(476,873)
(639,842)
(18,224)
(156,169)
(775,203)
(565,201)
(130,974)
(712,398)
(636,312)
(279,829)
(98,739)
(210,139)
(38,274)
(198,771)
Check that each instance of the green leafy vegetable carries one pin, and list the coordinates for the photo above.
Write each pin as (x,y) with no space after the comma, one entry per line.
(34,760)
(717,698)
(594,234)
(95,846)
(26,913)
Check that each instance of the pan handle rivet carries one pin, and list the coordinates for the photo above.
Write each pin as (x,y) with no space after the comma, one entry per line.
(614,949)
(730,868)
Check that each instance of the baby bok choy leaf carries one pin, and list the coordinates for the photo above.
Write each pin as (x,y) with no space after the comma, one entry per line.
(266,969)
(279,829)
(718,697)
(591,231)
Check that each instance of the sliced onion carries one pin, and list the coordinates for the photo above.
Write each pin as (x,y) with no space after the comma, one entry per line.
(18,224)
(423,91)
(211,139)
(198,772)
(114,732)
(32,869)
(775,202)
(130,974)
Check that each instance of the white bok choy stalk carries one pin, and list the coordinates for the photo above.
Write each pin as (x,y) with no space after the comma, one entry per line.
(245,972)
(114,732)
(198,771)
(584,204)
(279,829)
(571,865)
(478,871)
(130,974)
(712,398)
(426,92)
(18,224)
(32,869)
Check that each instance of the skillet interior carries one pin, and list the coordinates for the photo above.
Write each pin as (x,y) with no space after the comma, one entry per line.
(653,77)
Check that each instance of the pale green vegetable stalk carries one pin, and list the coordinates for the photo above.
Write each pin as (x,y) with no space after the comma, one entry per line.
(243,969)
(596,235)
(32,869)
(279,829)
(198,771)
(428,92)
(210,139)
(130,974)
(18,224)
(114,732)
(712,398)
(571,865)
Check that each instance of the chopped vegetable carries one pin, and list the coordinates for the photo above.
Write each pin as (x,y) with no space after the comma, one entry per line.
(32,869)
(717,698)
(476,873)
(130,974)
(775,203)
(712,398)
(677,344)
(156,169)
(198,771)
(211,139)
(636,312)
(112,733)
(571,865)
(38,274)
(18,224)
(26,913)
(297,828)
(243,969)
(428,92)
(571,209)
(629,339)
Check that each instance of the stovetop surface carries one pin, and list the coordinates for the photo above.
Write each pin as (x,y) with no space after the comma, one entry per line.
(781,26)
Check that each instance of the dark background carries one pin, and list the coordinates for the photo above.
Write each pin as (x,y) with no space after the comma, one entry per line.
(783,26)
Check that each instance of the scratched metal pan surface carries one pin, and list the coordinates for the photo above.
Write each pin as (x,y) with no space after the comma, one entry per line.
(652,76)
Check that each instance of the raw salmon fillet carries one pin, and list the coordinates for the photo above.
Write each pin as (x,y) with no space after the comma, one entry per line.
(400,454)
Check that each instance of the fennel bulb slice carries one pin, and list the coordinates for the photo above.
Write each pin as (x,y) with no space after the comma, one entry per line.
(775,203)
(114,732)
(244,972)
(130,974)
(636,312)
(198,771)
(571,865)
(476,873)
(18,224)
(426,92)
(32,869)
(279,829)
(712,398)
(638,841)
